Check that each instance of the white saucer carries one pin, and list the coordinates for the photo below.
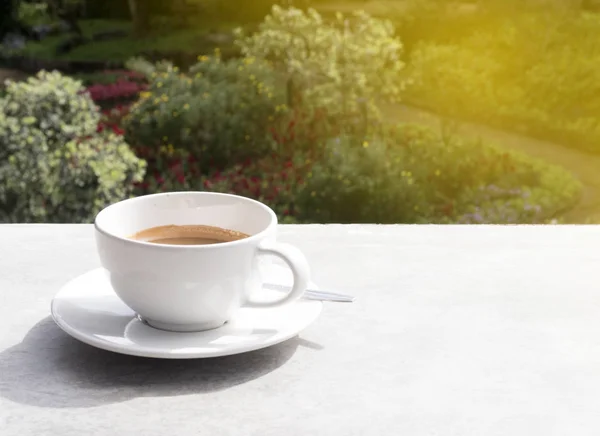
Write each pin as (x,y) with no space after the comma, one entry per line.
(88,309)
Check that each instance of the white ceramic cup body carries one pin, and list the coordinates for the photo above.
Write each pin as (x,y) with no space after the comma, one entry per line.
(187,287)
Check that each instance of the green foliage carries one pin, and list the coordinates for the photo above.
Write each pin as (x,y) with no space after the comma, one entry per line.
(218,112)
(53,105)
(413,175)
(344,66)
(33,13)
(532,71)
(237,10)
(54,166)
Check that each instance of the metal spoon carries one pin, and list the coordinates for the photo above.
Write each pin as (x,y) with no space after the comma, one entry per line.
(313,294)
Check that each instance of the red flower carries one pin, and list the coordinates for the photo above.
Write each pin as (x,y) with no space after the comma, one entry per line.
(143,185)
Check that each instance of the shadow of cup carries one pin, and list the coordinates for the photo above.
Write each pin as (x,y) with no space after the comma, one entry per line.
(50,369)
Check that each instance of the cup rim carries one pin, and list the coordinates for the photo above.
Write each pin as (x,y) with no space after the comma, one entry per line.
(166,247)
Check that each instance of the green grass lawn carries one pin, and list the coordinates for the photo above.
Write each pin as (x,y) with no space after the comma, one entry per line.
(191,39)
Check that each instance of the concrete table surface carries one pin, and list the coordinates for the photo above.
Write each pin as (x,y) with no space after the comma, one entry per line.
(457,331)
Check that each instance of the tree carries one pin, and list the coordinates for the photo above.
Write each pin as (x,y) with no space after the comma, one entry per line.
(140,15)
(8,16)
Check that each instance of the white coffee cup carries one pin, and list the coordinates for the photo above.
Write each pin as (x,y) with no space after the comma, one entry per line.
(192,287)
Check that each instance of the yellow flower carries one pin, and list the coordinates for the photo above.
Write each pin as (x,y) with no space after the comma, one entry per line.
(403,173)
(271,118)
(416,207)
(249,61)
(206,95)
(165,138)
(156,100)
(203,58)
(252,77)
(159,85)
(313,194)
(365,144)
(145,94)
(409,174)
(438,172)
(410,181)
(240,68)
(198,75)
(270,95)
(247,137)
(307,161)
(186,106)
(164,98)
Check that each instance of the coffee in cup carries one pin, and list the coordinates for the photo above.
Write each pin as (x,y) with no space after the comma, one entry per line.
(188,235)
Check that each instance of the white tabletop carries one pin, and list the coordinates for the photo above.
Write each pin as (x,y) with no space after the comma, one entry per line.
(457,331)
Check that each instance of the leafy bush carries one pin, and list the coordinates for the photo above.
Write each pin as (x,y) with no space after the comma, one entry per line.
(413,175)
(54,166)
(219,112)
(343,66)
(237,10)
(532,71)
(33,13)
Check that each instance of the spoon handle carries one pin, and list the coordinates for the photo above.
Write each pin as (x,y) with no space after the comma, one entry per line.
(313,294)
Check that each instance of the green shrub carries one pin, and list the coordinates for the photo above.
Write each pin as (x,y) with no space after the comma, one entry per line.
(31,13)
(237,10)
(219,112)
(343,66)
(54,166)
(414,175)
(534,72)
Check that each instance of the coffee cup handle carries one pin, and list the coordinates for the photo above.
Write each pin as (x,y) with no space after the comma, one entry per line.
(296,262)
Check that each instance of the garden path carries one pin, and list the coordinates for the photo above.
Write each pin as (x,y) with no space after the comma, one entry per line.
(584,166)
(10,74)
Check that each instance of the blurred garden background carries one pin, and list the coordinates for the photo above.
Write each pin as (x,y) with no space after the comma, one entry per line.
(372,111)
